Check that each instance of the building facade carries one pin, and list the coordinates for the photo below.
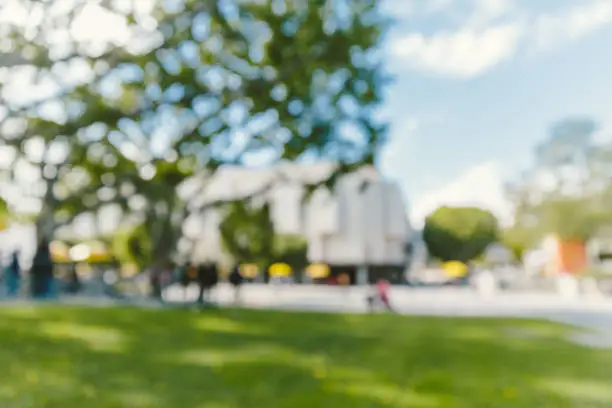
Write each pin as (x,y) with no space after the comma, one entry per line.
(360,228)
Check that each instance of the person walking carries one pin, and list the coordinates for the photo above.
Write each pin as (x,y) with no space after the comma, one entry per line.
(155,282)
(12,275)
(183,278)
(35,273)
(166,278)
(236,280)
(201,278)
(379,295)
(382,287)
(74,282)
(41,272)
(208,277)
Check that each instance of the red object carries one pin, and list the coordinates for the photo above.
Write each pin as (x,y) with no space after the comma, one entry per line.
(382,286)
(572,256)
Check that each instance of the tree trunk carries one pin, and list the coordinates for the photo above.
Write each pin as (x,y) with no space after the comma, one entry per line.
(45,222)
(164,235)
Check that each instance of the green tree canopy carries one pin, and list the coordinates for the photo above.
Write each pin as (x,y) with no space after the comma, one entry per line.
(187,87)
(459,233)
(292,250)
(247,233)
(519,240)
(248,236)
(132,246)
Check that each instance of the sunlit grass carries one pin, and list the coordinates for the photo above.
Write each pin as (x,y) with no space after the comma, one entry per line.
(78,357)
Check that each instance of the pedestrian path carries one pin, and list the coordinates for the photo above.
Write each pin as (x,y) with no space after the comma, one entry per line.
(592,316)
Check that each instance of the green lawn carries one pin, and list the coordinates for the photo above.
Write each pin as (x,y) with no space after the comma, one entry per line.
(79,357)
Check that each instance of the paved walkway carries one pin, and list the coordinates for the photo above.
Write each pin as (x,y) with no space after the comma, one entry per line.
(592,314)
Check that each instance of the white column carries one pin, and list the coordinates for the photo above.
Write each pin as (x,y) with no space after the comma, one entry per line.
(362,275)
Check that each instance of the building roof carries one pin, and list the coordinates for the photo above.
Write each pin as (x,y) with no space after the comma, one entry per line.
(236,182)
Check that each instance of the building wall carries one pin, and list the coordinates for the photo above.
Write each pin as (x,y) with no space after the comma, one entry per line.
(362,222)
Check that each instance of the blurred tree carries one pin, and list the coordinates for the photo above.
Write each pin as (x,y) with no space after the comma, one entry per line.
(518,240)
(571,218)
(568,190)
(132,246)
(175,89)
(292,250)
(247,233)
(248,236)
(459,233)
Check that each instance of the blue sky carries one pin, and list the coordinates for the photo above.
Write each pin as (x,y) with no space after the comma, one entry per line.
(477,85)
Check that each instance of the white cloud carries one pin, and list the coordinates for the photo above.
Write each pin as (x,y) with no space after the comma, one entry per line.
(493,32)
(486,11)
(481,186)
(464,53)
(477,45)
(571,25)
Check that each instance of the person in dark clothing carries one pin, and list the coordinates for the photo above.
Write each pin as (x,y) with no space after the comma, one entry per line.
(203,272)
(155,280)
(42,271)
(13,275)
(214,276)
(208,277)
(74,283)
(183,278)
(236,280)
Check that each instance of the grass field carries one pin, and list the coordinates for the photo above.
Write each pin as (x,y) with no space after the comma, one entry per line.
(60,357)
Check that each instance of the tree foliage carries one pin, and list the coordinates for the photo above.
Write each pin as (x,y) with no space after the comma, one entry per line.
(292,250)
(132,246)
(247,233)
(459,233)
(568,190)
(248,236)
(518,240)
(571,218)
(182,88)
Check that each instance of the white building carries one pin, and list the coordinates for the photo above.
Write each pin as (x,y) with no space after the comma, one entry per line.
(360,228)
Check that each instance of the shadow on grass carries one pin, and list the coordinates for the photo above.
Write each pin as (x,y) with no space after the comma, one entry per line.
(71,357)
